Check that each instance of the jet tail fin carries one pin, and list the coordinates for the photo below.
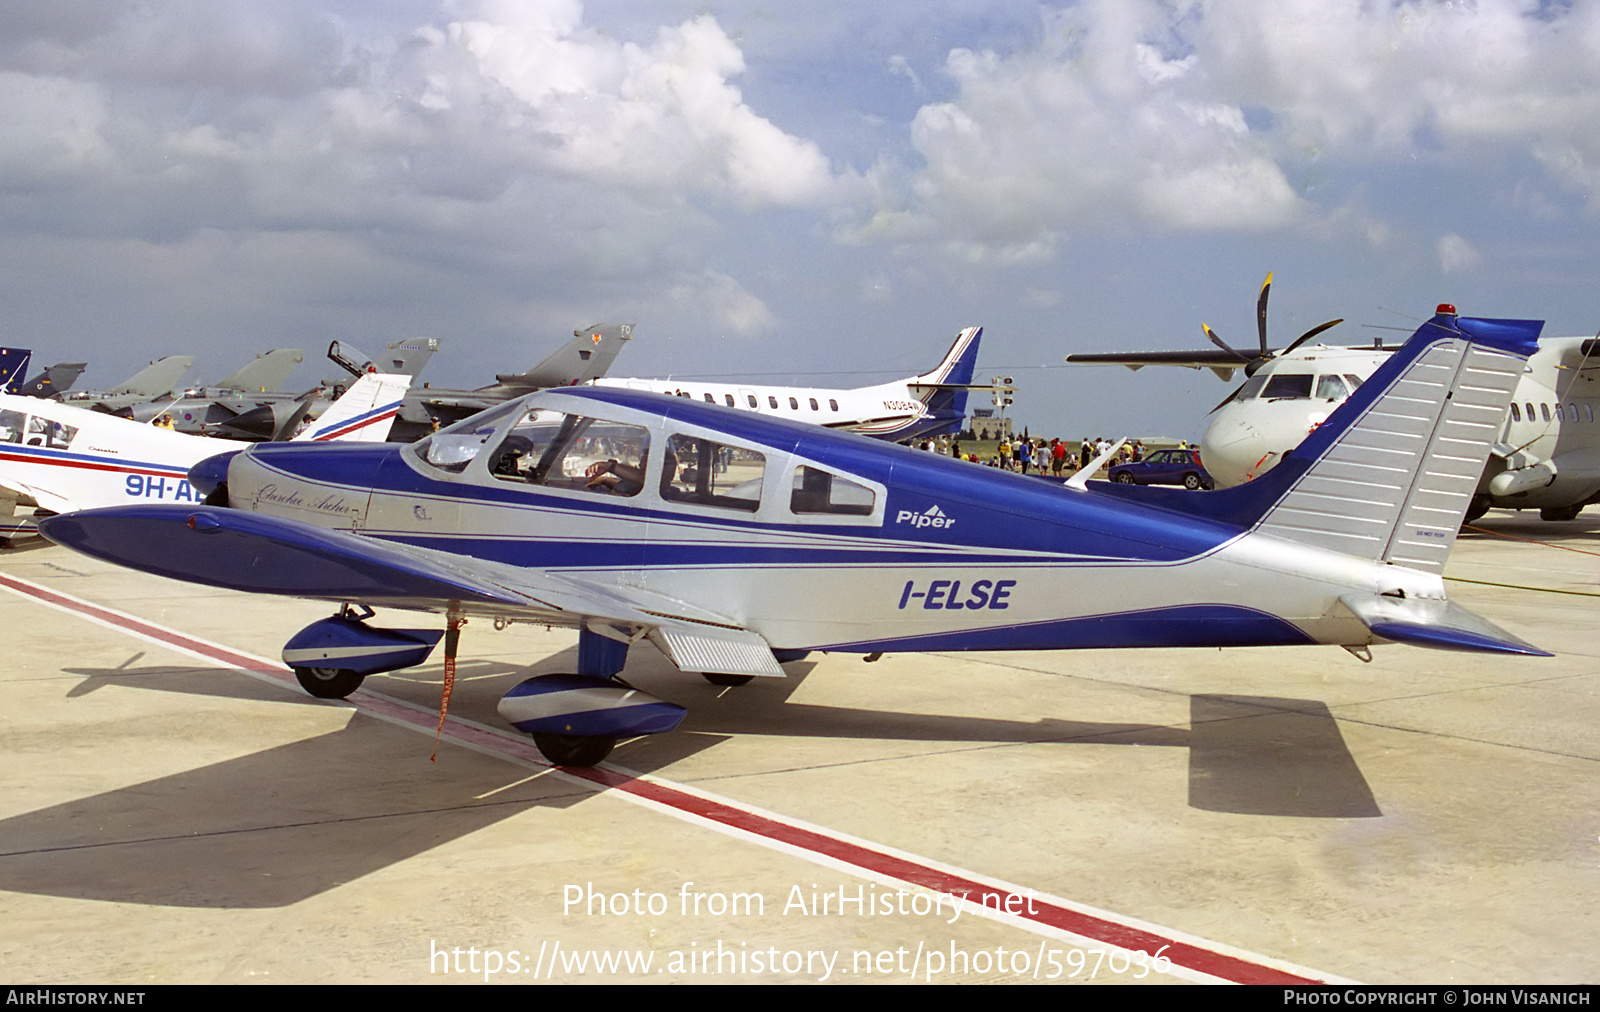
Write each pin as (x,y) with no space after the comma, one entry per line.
(266,372)
(54,380)
(364,414)
(13,367)
(588,356)
(156,379)
(944,389)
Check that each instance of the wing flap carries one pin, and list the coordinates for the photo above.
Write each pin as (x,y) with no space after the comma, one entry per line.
(716,650)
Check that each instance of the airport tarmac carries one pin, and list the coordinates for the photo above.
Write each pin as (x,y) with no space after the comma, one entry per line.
(173,812)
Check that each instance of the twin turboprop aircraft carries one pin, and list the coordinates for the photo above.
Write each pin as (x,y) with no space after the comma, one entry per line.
(734,541)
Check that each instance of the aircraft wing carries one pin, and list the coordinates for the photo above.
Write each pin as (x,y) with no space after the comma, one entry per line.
(268,555)
(1220,362)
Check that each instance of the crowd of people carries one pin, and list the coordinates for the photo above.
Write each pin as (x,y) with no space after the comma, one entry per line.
(1035,455)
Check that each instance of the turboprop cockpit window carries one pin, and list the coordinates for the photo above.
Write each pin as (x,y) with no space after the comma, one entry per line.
(817,491)
(1331,388)
(559,450)
(712,474)
(1288,386)
(12,425)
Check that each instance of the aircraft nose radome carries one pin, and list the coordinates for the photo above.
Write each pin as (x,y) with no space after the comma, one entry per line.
(211,472)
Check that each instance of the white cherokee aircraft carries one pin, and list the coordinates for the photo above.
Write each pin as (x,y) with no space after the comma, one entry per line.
(1546,456)
(69,458)
(916,407)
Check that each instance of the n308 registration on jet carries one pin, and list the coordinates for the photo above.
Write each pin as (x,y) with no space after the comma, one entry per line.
(734,542)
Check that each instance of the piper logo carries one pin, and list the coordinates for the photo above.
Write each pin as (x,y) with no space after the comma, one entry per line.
(934,517)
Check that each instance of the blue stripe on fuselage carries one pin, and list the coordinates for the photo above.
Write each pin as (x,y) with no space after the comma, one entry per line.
(982,508)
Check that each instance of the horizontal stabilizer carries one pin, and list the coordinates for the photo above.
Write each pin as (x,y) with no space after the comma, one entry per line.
(1434,623)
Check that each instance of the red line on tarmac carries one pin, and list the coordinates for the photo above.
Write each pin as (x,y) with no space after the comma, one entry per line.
(1190,955)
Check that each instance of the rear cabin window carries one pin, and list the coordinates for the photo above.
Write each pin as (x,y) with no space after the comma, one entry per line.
(819,492)
(44,432)
(712,474)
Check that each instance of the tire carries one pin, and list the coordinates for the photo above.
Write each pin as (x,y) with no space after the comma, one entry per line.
(1476,508)
(574,749)
(1122,478)
(1191,481)
(716,679)
(1560,512)
(328,683)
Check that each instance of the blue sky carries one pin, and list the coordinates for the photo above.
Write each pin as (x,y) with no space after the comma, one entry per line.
(819,193)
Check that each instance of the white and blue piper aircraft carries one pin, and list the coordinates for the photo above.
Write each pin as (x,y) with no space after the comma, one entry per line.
(734,542)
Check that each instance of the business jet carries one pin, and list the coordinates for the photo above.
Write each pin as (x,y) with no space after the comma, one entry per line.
(917,407)
(735,541)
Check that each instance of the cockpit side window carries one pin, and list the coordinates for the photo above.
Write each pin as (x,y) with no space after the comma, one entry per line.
(1331,388)
(1252,386)
(712,474)
(818,491)
(559,450)
(12,425)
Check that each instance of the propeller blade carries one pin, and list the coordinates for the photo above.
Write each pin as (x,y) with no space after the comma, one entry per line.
(1308,335)
(1220,343)
(1261,314)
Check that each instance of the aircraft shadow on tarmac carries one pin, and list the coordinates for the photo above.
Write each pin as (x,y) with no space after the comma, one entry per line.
(268,829)
(282,825)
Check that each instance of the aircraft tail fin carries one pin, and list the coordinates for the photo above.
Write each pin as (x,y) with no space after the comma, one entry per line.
(54,380)
(944,389)
(156,379)
(1389,476)
(586,357)
(364,414)
(403,357)
(266,373)
(13,367)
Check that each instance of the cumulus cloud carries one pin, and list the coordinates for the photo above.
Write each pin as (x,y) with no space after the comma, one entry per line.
(724,300)
(1456,254)
(1199,116)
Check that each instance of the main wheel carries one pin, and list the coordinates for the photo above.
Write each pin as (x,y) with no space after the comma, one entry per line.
(1560,512)
(1122,478)
(328,683)
(716,679)
(1191,481)
(574,749)
(1476,508)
